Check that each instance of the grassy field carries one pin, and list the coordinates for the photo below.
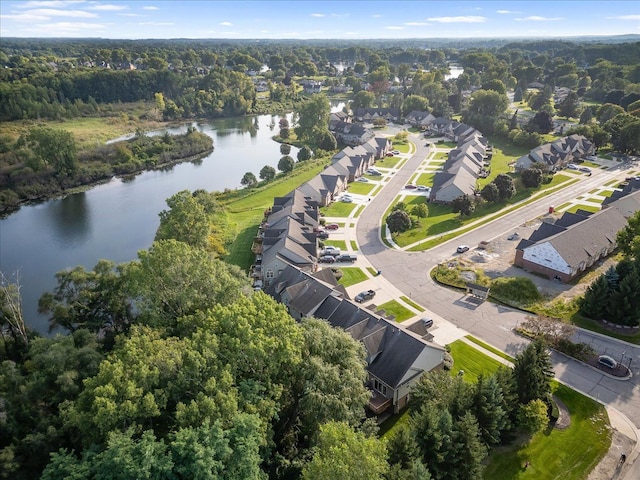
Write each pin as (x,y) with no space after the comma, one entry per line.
(351,276)
(568,454)
(360,188)
(354,245)
(394,308)
(338,209)
(425,179)
(245,211)
(90,132)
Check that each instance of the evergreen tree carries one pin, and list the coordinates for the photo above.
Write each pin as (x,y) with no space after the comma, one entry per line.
(402,448)
(517,95)
(468,453)
(613,278)
(595,302)
(487,406)
(532,372)
(625,302)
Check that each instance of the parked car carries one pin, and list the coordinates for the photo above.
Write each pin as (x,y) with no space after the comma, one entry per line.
(323,235)
(327,259)
(585,169)
(513,236)
(362,179)
(607,361)
(333,251)
(427,322)
(347,257)
(410,186)
(332,226)
(462,248)
(396,152)
(423,188)
(374,172)
(364,296)
(346,199)
(572,166)
(389,154)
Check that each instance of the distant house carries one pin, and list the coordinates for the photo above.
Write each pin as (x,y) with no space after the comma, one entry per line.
(311,86)
(557,154)
(567,247)
(368,115)
(351,133)
(419,119)
(337,118)
(465,164)
(396,358)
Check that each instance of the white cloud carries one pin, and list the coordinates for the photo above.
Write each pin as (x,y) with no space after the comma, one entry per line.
(25,17)
(417,24)
(317,15)
(339,14)
(625,17)
(460,19)
(157,24)
(536,18)
(131,15)
(49,3)
(376,15)
(63,28)
(393,28)
(109,8)
(53,12)
(226,24)
(150,7)
(506,12)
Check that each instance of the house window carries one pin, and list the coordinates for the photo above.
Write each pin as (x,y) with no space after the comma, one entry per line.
(380,387)
(269,274)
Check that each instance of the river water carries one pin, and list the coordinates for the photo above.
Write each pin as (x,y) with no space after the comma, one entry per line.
(117,219)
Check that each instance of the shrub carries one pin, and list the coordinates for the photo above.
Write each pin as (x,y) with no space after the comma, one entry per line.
(515,291)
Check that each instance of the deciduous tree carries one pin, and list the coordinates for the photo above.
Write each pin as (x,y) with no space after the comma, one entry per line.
(267,173)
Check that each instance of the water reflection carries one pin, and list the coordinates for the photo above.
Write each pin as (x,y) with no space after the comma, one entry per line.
(71,220)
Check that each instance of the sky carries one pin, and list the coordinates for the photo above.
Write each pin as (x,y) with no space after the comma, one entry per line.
(311,19)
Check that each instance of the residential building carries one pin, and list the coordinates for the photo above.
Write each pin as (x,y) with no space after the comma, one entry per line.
(569,246)
(558,154)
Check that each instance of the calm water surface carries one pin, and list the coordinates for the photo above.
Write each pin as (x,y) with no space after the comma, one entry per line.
(116,220)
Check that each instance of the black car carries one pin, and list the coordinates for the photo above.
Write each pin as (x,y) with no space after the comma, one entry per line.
(364,296)
(346,257)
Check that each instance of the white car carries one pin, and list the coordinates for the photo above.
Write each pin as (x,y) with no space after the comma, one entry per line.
(572,166)
(396,152)
(362,179)
(423,188)
(346,200)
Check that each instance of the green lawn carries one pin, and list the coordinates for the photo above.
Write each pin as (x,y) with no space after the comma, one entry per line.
(441,156)
(446,145)
(372,271)
(425,179)
(489,347)
(387,162)
(338,209)
(472,361)
(394,308)
(402,147)
(351,276)
(568,454)
(354,245)
(358,211)
(360,188)
(581,206)
(341,244)
(412,303)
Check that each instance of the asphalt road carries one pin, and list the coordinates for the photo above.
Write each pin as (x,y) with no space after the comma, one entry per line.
(409,272)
